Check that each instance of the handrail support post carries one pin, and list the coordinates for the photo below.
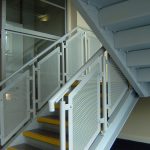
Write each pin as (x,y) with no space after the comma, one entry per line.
(62,126)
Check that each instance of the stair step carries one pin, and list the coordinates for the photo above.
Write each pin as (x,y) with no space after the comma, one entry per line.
(23,147)
(103,3)
(143,75)
(49,120)
(42,135)
(133,39)
(125,15)
(75,84)
(67,94)
(133,58)
(57,106)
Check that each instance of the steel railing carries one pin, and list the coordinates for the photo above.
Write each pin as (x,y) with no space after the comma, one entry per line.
(10,85)
(31,74)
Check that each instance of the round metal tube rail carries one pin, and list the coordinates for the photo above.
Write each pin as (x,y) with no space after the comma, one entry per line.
(56,98)
(39,55)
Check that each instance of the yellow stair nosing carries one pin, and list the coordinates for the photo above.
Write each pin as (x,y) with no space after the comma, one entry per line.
(48,120)
(67,94)
(76,83)
(57,106)
(42,138)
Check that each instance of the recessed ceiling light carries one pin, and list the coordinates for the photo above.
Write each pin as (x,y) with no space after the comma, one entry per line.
(43,18)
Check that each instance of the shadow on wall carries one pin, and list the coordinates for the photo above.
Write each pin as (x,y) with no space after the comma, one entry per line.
(137,128)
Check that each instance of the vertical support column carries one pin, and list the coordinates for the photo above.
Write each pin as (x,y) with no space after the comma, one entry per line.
(109,84)
(70,123)
(2,119)
(83,48)
(63,62)
(3,42)
(62,126)
(104,94)
(33,91)
(86,50)
(66,19)
(86,47)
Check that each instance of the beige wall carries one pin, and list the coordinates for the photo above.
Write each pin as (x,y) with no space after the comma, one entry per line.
(137,127)
(81,22)
(71,16)
(74,17)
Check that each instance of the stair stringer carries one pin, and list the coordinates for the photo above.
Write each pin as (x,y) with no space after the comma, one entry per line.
(90,14)
(116,122)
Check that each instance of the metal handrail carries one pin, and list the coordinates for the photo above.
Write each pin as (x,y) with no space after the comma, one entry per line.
(57,97)
(29,63)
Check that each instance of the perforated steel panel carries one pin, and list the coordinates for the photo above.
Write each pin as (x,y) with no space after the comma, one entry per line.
(15,106)
(74,54)
(117,85)
(93,44)
(86,112)
(48,76)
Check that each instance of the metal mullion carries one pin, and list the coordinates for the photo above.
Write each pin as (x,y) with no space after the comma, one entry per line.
(51,3)
(2,67)
(30,35)
(34,100)
(29,32)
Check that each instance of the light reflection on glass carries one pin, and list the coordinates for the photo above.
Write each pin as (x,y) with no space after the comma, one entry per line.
(8,96)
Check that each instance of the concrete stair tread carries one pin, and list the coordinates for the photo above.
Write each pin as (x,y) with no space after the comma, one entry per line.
(43,135)
(23,147)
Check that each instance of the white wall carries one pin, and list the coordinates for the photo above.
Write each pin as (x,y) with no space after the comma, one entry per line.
(137,127)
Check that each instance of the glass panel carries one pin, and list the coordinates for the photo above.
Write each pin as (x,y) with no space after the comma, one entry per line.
(20,49)
(37,15)
(58,2)
(15,103)
(49,76)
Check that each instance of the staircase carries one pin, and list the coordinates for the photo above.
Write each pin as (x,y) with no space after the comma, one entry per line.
(71,96)
(44,135)
(49,133)
(123,28)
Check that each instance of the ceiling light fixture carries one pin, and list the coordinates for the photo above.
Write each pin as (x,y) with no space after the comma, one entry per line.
(43,18)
